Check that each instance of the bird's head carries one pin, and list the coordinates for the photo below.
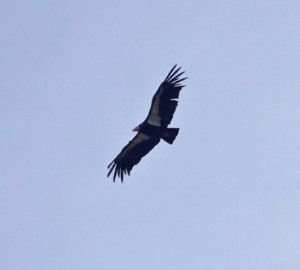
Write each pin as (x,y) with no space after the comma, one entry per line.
(137,128)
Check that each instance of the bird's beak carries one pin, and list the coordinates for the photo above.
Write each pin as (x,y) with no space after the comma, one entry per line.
(137,128)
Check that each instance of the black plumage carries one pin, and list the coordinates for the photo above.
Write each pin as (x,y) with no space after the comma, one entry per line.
(154,128)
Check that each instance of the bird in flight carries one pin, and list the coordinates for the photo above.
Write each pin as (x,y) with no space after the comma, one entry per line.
(154,128)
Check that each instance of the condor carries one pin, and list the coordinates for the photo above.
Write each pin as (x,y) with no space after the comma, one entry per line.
(154,128)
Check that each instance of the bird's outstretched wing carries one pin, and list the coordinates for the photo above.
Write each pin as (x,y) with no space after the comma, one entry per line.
(131,154)
(164,101)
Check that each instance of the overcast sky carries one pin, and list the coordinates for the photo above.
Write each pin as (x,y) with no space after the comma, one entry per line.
(77,76)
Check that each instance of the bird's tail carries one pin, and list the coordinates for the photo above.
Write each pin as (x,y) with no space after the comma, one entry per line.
(170,134)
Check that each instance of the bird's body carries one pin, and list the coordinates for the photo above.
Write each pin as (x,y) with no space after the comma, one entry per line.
(154,128)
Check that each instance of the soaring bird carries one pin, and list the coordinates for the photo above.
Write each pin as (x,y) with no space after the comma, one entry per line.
(154,128)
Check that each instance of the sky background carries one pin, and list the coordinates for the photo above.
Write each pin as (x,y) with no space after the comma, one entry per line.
(77,76)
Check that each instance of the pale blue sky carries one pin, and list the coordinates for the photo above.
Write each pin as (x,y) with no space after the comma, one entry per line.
(77,76)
